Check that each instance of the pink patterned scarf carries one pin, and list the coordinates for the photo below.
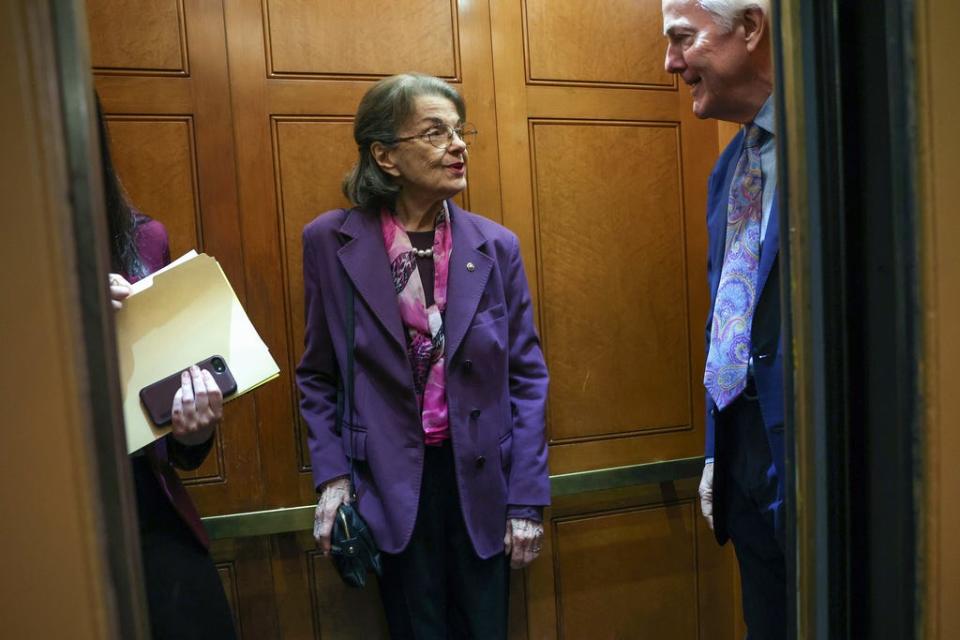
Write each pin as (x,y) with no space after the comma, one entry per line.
(425,335)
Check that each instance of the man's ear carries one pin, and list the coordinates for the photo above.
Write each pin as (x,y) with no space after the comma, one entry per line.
(383,156)
(754,27)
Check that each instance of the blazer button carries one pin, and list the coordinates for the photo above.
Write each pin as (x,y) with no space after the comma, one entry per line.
(475,414)
(468,365)
(480,461)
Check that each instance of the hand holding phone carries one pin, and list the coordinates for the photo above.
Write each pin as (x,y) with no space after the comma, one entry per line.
(197,407)
(193,393)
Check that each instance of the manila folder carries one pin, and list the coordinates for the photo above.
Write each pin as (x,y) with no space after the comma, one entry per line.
(177,317)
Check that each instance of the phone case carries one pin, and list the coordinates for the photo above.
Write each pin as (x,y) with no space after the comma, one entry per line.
(157,398)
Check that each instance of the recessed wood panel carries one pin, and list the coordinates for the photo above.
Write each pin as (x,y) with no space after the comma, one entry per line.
(613,298)
(637,570)
(311,157)
(228,578)
(330,38)
(156,163)
(339,612)
(615,42)
(138,37)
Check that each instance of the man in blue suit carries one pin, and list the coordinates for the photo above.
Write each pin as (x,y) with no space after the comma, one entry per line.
(721,49)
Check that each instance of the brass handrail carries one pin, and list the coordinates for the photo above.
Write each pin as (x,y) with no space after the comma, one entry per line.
(291,519)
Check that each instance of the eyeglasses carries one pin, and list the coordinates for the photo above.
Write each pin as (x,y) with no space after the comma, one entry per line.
(441,135)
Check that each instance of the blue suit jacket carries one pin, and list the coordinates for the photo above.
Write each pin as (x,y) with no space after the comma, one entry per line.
(495,375)
(766,346)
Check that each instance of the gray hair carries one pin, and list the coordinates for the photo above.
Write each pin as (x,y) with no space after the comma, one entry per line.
(726,12)
(383,110)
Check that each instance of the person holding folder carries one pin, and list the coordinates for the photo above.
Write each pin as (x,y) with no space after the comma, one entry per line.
(184,593)
(450,384)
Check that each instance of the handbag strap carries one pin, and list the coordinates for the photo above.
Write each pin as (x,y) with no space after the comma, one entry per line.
(345,387)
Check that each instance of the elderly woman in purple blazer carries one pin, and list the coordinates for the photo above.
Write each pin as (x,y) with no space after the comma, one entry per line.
(450,384)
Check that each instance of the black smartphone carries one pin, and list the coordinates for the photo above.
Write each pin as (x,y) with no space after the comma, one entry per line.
(157,398)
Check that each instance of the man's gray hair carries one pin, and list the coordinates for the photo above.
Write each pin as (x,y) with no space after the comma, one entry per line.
(726,12)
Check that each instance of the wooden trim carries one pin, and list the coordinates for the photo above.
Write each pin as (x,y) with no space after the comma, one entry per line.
(72,552)
(938,99)
(292,519)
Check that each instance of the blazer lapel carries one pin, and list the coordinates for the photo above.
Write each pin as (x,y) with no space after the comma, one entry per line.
(770,246)
(364,258)
(464,285)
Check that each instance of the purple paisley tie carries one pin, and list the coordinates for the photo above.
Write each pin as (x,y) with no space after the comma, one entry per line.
(726,372)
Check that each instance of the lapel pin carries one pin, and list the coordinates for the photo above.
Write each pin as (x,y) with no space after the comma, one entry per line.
(471,266)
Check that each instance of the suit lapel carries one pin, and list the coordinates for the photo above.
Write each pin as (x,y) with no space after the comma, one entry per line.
(464,286)
(770,246)
(364,258)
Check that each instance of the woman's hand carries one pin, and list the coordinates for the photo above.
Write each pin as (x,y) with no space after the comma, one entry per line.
(197,407)
(522,541)
(119,290)
(335,492)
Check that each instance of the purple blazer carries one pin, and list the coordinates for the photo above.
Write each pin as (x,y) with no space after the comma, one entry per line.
(495,373)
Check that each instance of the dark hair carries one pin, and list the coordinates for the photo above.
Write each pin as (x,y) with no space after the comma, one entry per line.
(121,217)
(385,108)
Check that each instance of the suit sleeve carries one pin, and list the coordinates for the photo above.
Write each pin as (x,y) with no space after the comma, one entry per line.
(317,378)
(529,480)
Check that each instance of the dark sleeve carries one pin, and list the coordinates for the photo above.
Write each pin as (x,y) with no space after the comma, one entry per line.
(187,457)
(526,512)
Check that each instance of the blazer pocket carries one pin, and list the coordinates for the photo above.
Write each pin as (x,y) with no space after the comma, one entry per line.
(354,443)
(506,450)
(489,314)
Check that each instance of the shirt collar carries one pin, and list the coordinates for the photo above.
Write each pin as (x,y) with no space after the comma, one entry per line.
(765,117)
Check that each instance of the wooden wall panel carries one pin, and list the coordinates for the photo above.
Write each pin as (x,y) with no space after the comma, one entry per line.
(248,577)
(311,156)
(156,160)
(656,562)
(329,38)
(616,42)
(612,260)
(339,612)
(138,38)
(228,578)
(637,567)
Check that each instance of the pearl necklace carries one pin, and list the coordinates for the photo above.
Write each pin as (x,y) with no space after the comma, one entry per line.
(423,253)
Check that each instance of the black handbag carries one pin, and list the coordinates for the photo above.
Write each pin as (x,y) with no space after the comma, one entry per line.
(352,547)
